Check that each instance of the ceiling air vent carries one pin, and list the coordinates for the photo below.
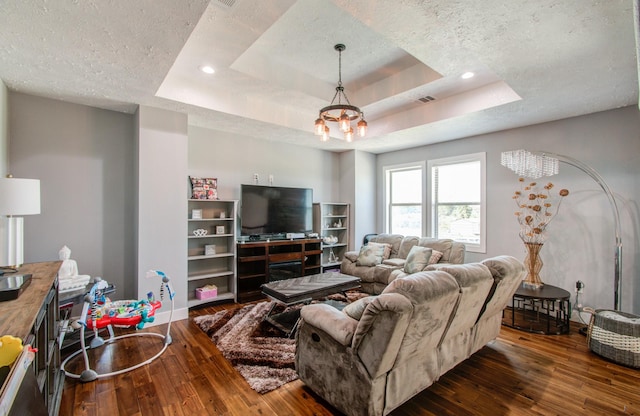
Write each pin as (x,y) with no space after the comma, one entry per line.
(226,3)
(426,99)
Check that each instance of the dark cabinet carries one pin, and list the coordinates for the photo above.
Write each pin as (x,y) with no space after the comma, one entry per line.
(34,317)
(264,261)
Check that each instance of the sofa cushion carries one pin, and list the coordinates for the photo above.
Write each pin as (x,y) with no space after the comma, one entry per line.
(393,239)
(452,252)
(406,244)
(355,309)
(396,274)
(373,254)
(397,262)
(417,259)
(443,245)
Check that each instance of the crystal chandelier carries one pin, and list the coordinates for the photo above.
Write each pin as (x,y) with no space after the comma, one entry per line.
(528,164)
(341,113)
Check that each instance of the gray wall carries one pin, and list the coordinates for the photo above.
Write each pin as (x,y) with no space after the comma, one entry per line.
(83,157)
(581,237)
(86,160)
(4,134)
(234,159)
(4,127)
(348,168)
(358,188)
(346,177)
(161,210)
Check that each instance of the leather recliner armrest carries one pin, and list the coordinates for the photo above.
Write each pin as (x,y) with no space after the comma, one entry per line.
(352,256)
(335,323)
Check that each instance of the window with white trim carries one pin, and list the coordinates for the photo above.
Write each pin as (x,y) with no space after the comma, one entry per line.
(456,200)
(404,213)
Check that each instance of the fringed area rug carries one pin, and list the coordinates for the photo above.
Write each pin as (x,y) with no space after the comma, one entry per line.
(260,352)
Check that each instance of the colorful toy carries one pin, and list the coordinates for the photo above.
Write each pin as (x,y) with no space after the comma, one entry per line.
(123,313)
(99,312)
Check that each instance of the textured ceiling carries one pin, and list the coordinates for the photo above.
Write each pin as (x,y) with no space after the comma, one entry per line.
(276,66)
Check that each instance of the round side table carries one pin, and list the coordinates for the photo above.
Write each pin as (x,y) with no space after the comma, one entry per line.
(543,311)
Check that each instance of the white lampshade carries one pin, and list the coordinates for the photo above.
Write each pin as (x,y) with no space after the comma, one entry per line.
(19,196)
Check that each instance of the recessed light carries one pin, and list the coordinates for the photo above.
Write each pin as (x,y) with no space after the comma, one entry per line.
(467,75)
(207,69)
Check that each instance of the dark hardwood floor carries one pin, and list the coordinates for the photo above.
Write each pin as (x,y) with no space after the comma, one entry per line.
(518,374)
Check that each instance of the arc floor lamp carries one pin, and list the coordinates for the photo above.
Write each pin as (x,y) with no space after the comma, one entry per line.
(539,163)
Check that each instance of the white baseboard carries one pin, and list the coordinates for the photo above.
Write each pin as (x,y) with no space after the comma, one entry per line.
(163,317)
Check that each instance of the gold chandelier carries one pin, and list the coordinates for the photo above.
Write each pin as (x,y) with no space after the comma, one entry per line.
(341,113)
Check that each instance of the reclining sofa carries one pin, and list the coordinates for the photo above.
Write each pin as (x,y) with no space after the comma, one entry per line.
(380,351)
(376,275)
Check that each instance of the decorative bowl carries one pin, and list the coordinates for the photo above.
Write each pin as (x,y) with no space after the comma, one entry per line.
(330,240)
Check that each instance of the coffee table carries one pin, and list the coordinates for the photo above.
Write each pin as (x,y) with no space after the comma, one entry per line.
(303,290)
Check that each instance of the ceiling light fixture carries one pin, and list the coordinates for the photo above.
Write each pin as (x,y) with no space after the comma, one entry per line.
(341,113)
(467,75)
(207,69)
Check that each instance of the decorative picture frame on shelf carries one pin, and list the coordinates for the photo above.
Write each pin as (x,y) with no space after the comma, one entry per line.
(209,249)
(196,214)
(204,188)
(220,229)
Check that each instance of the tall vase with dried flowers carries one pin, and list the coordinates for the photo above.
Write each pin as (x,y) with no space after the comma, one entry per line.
(536,208)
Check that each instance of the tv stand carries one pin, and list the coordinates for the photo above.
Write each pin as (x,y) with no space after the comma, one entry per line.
(256,259)
(267,237)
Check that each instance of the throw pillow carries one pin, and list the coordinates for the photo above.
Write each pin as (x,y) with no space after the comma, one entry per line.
(372,254)
(435,257)
(204,188)
(356,309)
(417,259)
(386,249)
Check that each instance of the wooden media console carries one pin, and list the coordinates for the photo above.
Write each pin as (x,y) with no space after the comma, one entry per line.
(260,262)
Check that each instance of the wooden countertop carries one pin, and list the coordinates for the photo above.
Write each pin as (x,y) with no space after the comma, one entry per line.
(18,316)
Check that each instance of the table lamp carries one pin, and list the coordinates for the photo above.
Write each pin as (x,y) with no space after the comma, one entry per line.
(18,197)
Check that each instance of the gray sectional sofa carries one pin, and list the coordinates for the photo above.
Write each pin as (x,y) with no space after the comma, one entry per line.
(376,277)
(382,350)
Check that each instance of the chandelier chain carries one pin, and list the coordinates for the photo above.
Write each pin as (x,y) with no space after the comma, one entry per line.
(339,67)
(337,94)
(340,88)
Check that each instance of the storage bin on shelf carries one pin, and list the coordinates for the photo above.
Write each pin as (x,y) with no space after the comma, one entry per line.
(207,292)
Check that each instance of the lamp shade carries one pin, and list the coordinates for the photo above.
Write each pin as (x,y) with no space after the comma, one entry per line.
(19,196)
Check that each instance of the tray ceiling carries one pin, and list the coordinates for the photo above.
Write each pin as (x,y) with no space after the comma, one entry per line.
(276,66)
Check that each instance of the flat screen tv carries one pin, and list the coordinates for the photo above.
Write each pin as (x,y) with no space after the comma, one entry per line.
(271,210)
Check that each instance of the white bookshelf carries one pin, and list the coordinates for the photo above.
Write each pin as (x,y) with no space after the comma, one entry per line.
(212,269)
(332,219)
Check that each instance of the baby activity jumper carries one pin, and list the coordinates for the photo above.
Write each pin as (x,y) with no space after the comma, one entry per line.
(99,312)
